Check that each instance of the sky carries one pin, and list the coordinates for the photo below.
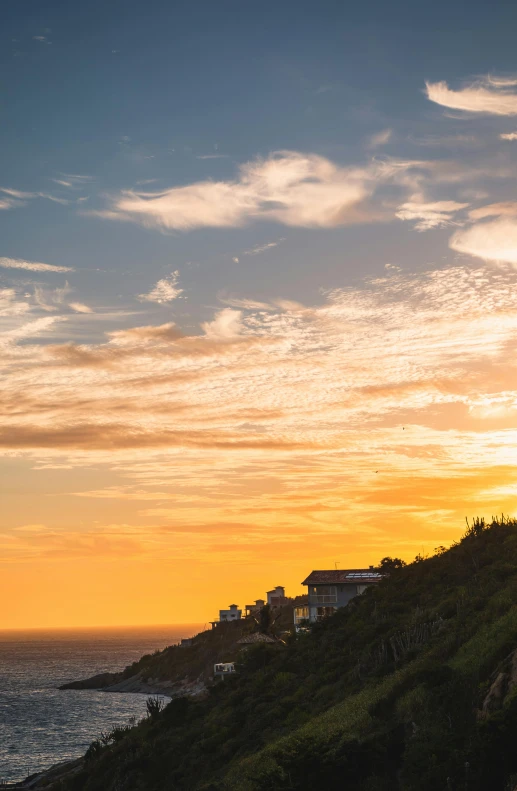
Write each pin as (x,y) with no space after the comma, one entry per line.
(258,296)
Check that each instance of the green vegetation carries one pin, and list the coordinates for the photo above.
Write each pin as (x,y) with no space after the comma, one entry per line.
(412,687)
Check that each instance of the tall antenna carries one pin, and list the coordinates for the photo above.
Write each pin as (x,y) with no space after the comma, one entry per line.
(336,564)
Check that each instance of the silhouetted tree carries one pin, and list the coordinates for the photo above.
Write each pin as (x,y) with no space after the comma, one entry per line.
(265,619)
(154,706)
(389,565)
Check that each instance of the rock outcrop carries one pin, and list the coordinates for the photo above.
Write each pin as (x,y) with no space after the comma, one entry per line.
(504,681)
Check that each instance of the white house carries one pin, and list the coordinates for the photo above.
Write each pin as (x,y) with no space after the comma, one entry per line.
(232,614)
(222,669)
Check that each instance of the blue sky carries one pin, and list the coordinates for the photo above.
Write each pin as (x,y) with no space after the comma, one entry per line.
(129,92)
(258,280)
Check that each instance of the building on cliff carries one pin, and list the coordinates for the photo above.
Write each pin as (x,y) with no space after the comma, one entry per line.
(276,597)
(223,669)
(253,609)
(330,590)
(231,614)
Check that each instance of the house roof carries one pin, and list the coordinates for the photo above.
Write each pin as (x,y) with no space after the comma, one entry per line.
(333,577)
(256,637)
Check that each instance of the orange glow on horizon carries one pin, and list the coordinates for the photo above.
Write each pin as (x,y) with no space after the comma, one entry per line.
(154,476)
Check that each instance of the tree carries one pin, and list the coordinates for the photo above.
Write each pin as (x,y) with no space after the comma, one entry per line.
(154,706)
(266,620)
(389,565)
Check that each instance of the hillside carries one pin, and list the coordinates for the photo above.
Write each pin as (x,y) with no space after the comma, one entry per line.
(188,669)
(411,687)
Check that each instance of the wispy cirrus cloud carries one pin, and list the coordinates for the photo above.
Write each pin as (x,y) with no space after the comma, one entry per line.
(17,198)
(427,215)
(489,95)
(306,190)
(262,248)
(382,400)
(11,304)
(31,266)
(492,236)
(10,203)
(429,337)
(165,290)
(72,180)
(80,307)
(288,187)
(50,299)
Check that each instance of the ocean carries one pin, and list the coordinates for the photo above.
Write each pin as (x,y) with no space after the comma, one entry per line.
(41,725)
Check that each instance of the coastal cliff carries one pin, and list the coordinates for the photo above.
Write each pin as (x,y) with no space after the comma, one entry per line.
(412,687)
(183,669)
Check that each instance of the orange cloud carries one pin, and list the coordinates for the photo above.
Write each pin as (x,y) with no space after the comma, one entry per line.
(370,424)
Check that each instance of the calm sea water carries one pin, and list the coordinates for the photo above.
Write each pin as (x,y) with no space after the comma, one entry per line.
(40,725)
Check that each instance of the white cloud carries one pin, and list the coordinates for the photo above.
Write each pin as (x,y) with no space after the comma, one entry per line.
(31,329)
(73,181)
(288,187)
(10,305)
(429,215)
(77,177)
(509,136)
(62,183)
(79,307)
(17,198)
(504,209)
(490,95)
(9,203)
(18,193)
(491,241)
(492,236)
(32,266)
(50,299)
(226,325)
(165,290)
(261,248)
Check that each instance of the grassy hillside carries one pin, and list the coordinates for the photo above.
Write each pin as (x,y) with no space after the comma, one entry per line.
(413,687)
(185,665)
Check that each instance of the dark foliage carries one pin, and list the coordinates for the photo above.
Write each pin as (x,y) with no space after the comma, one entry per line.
(413,687)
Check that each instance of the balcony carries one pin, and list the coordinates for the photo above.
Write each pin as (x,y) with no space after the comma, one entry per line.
(322,598)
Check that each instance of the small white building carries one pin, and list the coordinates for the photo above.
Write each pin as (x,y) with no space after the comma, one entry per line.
(232,614)
(222,669)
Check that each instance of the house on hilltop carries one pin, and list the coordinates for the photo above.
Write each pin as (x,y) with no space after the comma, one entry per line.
(231,614)
(330,590)
(253,609)
(276,597)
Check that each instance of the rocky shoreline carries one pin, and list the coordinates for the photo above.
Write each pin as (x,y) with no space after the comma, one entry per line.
(115,682)
(106,682)
(48,778)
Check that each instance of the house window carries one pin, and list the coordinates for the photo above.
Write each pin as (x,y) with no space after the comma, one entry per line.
(324,612)
(301,614)
(323,594)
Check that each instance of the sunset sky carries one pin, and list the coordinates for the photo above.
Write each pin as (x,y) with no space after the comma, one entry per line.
(258,296)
